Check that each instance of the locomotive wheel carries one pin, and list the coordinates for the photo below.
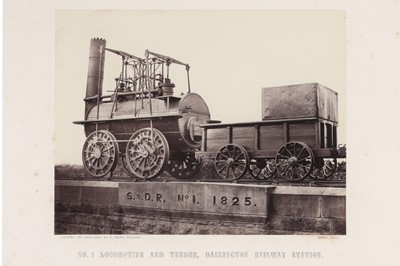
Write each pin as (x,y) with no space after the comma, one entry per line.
(183,165)
(147,153)
(294,161)
(326,171)
(126,167)
(231,162)
(262,168)
(100,153)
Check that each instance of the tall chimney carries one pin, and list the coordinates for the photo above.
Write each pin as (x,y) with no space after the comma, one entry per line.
(94,85)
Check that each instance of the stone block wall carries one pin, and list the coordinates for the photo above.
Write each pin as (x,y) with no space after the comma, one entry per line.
(292,210)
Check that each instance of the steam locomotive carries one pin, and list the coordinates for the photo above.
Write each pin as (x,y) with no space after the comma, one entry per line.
(141,122)
(151,130)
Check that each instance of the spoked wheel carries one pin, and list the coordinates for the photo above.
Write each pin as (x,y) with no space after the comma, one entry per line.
(147,153)
(294,161)
(325,171)
(100,153)
(183,165)
(126,167)
(231,162)
(262,168)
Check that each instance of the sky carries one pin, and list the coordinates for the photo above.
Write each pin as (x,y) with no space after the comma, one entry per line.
(232,54)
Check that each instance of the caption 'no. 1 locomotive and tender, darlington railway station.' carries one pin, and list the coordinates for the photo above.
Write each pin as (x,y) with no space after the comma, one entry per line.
(282,174)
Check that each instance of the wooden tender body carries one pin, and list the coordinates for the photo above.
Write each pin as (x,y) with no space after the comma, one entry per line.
(293,143)
(262,139)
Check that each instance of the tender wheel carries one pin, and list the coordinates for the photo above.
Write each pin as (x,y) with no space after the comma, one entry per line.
(100,153)
(262,168)
(231,162)
(294,161)
(327,170)
(147,153)
(183,165)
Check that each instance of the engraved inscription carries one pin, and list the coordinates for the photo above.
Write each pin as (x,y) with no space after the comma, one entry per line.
(195,197)
(232,200)
(157,197)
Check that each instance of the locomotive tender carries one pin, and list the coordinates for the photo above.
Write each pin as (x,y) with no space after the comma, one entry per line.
(151,130)
(296,139)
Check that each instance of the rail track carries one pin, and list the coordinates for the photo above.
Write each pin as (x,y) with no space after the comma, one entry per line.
(276,182)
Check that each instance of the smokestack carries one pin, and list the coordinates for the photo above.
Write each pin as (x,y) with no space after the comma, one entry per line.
(94,85)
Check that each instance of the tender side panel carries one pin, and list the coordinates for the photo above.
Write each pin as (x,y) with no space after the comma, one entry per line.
(304,132)
(328,135)
(272,137)
(244,136)
(216,138)
(264,139)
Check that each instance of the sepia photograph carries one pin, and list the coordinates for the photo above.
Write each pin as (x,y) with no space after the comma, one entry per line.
(227,124)
(191,133)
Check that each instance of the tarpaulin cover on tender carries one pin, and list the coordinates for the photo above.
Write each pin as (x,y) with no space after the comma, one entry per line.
(299,101)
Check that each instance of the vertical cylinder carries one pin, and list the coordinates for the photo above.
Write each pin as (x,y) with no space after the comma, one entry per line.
(94,83)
